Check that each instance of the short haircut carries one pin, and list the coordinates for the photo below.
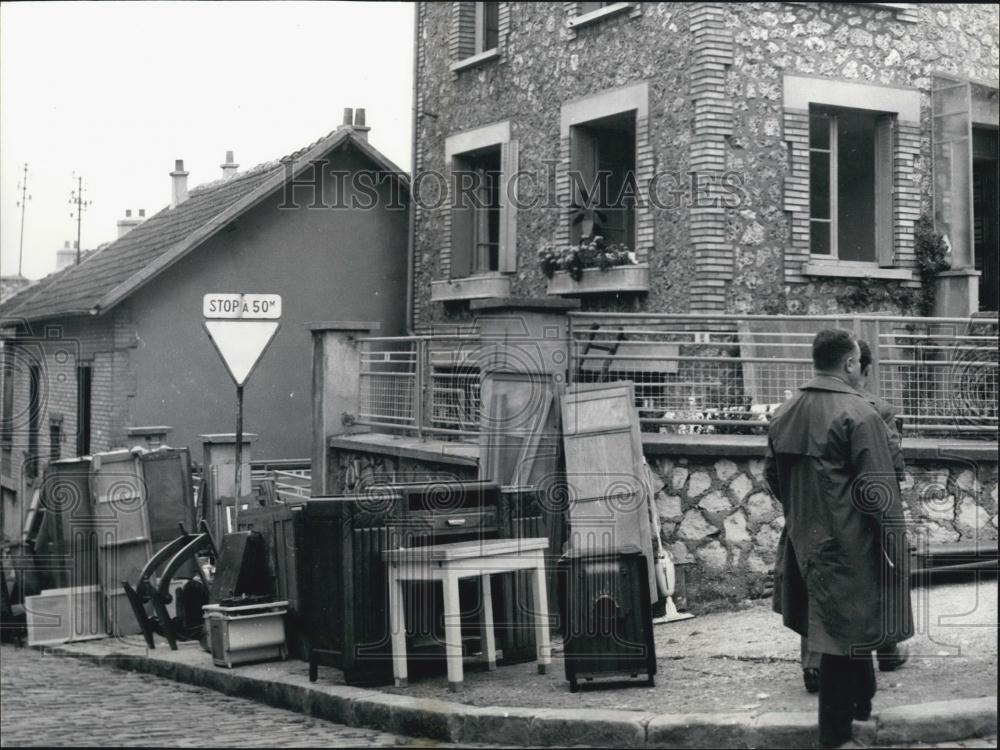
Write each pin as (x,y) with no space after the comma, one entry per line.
(866,354)
(831,346)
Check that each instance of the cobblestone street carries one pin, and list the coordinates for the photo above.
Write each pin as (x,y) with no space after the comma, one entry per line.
(59,701)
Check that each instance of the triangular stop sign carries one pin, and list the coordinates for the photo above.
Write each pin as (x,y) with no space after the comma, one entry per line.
(240,343)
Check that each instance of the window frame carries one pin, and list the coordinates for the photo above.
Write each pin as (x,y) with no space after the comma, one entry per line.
(902,110)
(585,130)
(602,104)
(470,141)
(882,186)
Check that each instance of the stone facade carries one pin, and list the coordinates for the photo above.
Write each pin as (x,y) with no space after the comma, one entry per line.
(716,77)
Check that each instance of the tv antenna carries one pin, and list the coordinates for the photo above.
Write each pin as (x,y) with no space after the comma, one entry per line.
(76,198)
(23,187)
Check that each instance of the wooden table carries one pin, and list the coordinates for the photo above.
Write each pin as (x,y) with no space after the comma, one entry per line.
(448,563)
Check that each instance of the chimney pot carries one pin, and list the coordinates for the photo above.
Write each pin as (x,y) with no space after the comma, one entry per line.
(66,244)
(142,213)
(229,167)
(348,116)
(179,188)
(359,127)
(128,213)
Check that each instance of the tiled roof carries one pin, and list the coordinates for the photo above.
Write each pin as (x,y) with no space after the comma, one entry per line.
(111,274)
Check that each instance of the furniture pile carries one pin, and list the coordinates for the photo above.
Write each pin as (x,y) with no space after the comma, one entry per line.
(95,522)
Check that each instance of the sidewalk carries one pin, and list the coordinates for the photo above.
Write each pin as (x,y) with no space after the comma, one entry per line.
(728,679)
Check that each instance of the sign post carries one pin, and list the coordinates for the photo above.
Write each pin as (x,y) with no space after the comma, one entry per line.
(241,327)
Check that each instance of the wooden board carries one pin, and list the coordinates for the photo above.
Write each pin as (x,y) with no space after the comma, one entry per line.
(68,516)
(516,410)
(122,526)
(604,472)
(167,478)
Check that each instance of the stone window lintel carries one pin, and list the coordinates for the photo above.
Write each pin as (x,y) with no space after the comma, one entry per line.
(596,15)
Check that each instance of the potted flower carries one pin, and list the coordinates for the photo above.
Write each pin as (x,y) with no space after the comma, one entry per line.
(592,266)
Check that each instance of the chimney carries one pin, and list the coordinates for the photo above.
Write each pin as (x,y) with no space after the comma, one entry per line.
(180,184)
(348,117)
(129,223)
(360,129)
(65,256)
(142,214)
(230,167)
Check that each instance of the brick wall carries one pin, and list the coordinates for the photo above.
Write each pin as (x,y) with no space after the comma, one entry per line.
(715,74)
(57,348)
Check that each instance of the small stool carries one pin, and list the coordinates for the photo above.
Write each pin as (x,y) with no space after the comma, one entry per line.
(448,563)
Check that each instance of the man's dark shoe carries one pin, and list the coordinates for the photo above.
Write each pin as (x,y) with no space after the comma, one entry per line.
(811,679)
(890,661)
(863,710)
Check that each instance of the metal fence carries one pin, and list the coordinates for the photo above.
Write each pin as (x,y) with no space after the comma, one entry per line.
(422,384)
(727,374)
(705,374)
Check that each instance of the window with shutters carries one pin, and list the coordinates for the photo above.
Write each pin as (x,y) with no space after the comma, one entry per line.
(850,185)
(482,216)
(602,173)
(476,234)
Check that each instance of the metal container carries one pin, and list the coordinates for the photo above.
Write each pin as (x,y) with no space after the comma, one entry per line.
(244,634)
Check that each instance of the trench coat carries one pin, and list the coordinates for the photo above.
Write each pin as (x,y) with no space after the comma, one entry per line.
(842,571)
(888,415)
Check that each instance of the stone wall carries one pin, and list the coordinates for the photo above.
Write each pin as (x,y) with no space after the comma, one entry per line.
(718,514)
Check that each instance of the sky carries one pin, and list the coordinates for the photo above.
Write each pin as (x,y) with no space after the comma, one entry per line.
(116,91)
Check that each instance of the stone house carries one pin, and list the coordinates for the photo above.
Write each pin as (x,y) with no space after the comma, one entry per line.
(755,157)
(117,342)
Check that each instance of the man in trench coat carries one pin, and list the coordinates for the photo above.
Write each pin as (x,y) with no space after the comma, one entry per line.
(839,574)
(890,656)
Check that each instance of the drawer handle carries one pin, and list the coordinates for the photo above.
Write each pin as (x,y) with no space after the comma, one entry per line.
(456,522)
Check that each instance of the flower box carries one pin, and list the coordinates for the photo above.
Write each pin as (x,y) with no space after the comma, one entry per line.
(471,287)
(631,278)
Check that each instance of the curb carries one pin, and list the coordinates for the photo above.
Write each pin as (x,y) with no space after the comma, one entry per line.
(940,721)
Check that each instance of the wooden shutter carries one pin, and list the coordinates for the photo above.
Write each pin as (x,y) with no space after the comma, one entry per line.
(604,471)
(462,39)
(952,159)
(462,226)
(508,209)
(884,192)
(583,170)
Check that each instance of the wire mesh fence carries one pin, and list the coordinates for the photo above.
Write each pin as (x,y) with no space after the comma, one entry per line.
(701,374)
(422,384)
(727,374)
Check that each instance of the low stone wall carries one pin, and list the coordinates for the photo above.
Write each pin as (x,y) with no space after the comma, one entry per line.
(718,514)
